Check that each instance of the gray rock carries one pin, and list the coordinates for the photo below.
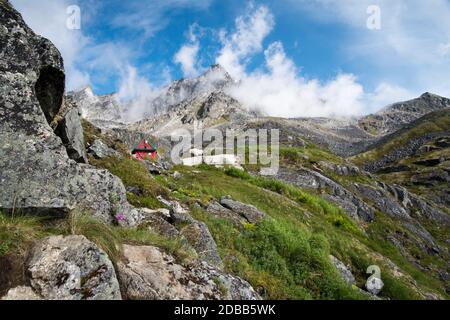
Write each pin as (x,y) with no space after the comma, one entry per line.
(249,212)
(70,131)
(100,150)
(71,268)
(383,201)
(199,237)
(345,272)
(178,214)
(220,211)
(432,178)
(415,205)
(353,205)
(157,221)
(407,149)
(196,232)
(342,170)
(150,274)
(153,168)
(396,116)
(36,173)
(21,293)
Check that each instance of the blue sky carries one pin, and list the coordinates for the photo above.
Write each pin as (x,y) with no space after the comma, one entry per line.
(301,51)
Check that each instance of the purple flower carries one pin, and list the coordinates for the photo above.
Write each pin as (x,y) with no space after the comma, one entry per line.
(121,217)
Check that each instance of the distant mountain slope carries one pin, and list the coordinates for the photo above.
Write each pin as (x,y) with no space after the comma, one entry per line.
(214,109)
(394,117)
(205,99)
(416,157)
(108,111)
(103,111)
(405,142)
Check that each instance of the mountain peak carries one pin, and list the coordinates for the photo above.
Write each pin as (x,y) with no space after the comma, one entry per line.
(428,95)
(217,72)
(397,115)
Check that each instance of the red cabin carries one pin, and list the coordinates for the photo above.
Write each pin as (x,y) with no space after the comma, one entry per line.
(145,150)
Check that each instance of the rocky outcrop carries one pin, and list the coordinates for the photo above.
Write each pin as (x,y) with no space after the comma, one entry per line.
(217,210)
(100,150)
(344,271)
(195,232)
(71,268)
(394,117)
(407,149)
(354,206)
(399,203)
(36,173)
(416,206)
(199,237)
(158,221)
(149,274)
(70,131)
(342,170)
(250,213)
(103,111)
(383,201)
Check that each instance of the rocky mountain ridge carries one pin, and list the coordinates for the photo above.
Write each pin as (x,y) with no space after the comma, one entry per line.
(396,116)
(205,99)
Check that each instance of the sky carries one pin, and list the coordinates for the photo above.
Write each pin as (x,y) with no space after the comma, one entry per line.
(291,58)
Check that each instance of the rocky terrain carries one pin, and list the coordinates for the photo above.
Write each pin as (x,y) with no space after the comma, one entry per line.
(396,116)
(81,219)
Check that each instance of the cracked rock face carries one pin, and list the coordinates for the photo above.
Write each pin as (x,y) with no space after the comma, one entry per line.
(36,174)
(71,268)
(150,274)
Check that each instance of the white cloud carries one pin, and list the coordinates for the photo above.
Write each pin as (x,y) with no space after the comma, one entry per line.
(187,56)
(278,89)
(282,92)
(136,92)
(251,30)
(412,47)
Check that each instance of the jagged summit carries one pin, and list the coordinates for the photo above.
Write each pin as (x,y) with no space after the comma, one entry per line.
(214,79)
(395,116)
(105,110)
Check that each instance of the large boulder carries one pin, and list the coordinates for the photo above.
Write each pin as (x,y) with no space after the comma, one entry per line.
(150,274)
(250,213)
(344,271)
(69,129)
(195,232)
(100,150)
(71,268)
(216,209)
(36,173)
(199,237)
